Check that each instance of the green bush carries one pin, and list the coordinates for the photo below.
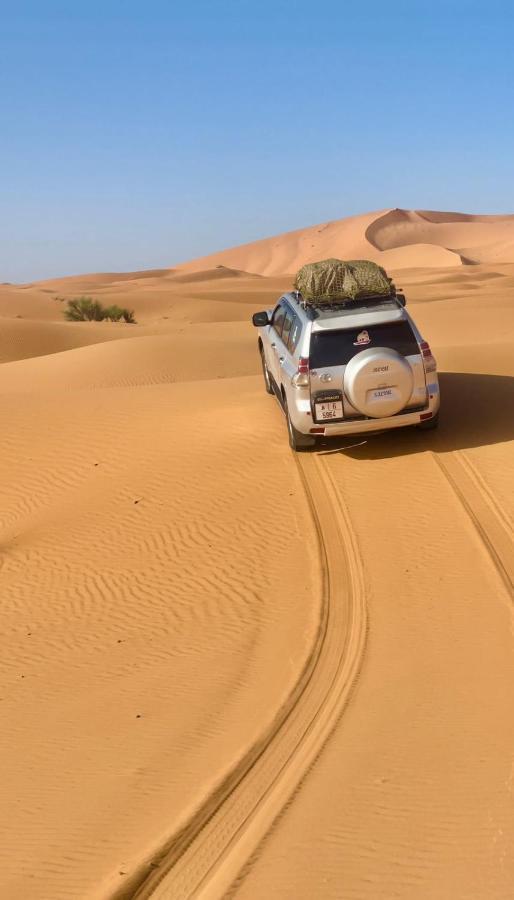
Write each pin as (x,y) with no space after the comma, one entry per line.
(113,313)
(85,309)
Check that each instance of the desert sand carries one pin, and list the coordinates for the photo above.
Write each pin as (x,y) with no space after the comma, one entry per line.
(227,670)
(395,238)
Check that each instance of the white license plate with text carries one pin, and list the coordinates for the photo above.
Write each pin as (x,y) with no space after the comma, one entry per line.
(331,410)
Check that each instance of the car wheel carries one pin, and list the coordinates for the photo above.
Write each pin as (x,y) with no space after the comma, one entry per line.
(266,374)
(429,424)
(297,441)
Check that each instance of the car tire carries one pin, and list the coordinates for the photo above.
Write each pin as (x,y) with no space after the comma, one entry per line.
(429,424)
(267,377)
(297,441)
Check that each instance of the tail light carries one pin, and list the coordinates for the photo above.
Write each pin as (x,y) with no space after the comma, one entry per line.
(428,359)
(301,379)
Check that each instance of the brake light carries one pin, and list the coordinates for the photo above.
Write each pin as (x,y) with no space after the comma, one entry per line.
(428,358)
(301,379)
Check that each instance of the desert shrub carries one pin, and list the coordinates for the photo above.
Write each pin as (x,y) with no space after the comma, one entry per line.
(113,313)
(85,309)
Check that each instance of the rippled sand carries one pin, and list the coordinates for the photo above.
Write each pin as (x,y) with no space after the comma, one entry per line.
(199,626)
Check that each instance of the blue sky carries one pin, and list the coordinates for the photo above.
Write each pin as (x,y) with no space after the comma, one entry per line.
(141,134)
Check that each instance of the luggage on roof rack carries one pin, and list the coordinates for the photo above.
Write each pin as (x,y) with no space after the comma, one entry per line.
(336,280)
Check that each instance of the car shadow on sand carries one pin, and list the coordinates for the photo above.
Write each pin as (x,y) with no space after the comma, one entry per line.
(476,410)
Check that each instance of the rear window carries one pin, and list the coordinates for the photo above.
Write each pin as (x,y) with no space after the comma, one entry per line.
(336,348)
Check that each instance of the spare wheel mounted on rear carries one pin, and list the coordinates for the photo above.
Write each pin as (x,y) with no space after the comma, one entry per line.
(378,382)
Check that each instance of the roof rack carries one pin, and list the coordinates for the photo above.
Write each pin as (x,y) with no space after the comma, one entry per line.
(313,308)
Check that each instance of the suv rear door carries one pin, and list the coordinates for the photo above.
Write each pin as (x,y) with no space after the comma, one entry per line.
(332,349)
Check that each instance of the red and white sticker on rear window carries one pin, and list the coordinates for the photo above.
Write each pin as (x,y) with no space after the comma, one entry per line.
(363,338)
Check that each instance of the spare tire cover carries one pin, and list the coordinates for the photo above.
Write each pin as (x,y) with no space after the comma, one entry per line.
(378,382)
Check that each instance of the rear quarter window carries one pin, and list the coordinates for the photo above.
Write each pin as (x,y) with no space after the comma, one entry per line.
(288,322)
(336,348)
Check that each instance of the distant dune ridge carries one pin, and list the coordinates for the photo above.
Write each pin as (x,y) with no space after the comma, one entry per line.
(178,678)
(396,238)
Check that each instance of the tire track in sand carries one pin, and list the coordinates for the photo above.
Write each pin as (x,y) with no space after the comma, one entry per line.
(206,858)
(485,513)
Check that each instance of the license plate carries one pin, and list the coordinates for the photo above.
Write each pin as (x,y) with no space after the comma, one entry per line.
(331,410)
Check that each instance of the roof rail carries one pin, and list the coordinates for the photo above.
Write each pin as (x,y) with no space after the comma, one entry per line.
(347,302)
(313,309)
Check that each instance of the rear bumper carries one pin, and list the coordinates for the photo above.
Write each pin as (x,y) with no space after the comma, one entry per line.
(302,420)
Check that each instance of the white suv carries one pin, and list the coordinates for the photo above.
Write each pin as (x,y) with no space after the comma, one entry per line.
(347,368)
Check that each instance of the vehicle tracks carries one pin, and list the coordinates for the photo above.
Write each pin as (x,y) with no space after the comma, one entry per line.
(206,858)
(488,518)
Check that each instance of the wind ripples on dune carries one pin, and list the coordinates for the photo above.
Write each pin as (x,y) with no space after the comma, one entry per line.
(146,612)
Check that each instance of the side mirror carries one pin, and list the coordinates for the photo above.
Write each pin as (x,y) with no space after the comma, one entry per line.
(401,299)
(259,319)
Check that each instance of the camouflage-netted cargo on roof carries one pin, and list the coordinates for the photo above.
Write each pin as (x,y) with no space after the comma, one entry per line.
(333,280)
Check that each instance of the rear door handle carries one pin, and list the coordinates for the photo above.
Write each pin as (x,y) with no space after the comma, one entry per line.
(273,345)
(282,360)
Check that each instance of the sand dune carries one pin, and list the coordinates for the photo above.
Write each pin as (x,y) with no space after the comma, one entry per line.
(226,666)
(412,796)
(137,635)
(100,279)
(215,274)
(418,255)
(23,338)
(477,239)
(207,296)
(410,233)
(189,354)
